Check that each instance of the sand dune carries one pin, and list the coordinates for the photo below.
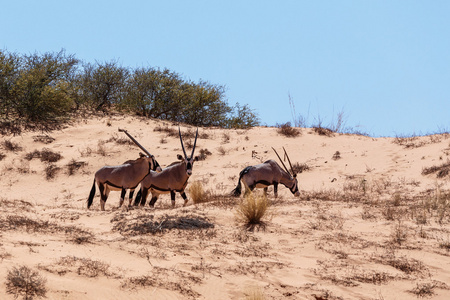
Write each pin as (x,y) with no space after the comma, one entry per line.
(368,223)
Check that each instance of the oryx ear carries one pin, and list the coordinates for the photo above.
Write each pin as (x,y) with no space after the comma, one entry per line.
(295,175)
(141,154)
(180,157)
(196,158)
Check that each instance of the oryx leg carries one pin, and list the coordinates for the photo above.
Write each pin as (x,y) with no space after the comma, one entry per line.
(144,194)
(172,197)
(183,194)
(275,189)
(154,198)
(122,196)
(104,192)
(130,197)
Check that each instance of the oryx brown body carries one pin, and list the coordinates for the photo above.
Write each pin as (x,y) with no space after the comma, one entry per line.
(122,177)
(264,175)
(172,179)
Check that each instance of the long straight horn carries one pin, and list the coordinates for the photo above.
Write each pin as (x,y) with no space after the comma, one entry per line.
(195,142)
(281,161)
(286,155)
(136,142)
(181,140)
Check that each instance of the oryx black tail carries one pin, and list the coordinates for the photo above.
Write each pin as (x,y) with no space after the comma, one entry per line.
(237,191)
(91,195)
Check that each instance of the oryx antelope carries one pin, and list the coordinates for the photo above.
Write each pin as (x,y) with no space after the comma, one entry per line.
(266,174)
(122,177)
(172,179)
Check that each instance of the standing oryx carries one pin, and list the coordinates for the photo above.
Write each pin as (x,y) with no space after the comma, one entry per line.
(172,179)
(123,177)
(266,174)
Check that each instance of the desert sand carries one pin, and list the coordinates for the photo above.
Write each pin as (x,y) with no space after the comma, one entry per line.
(367,225)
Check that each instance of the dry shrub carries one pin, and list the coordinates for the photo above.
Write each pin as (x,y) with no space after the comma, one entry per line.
(86,266)
(336,155)
(225,138)
(424,289)
(252,210)
(170,131)
(2,156)
(50,171)
(23,281)
(145,224)
(399,233)
(287,130)
(45,155)
(45,139)
(74,166)
(11,146)
(323,131)
(441,170)
(299,168)
(222,151)
(197,193)
(204,153)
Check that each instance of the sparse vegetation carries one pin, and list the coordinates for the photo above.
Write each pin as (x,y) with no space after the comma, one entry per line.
(45,155)
(197,193)
(253,210)
(287,130)
(23,281)
(9,145)
(441,171)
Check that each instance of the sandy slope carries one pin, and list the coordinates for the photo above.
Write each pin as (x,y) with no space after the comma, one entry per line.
(368,225)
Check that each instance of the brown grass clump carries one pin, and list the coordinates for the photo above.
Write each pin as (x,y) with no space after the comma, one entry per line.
(323,131)
(204,153)
(74,166)
(45,155)
(197,193)
(253,210)
(441,170)
(11,146)
(287,130)
(23,281)
(45,139)
(50,171)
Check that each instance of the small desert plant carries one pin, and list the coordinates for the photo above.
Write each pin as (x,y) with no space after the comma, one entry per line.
(322,130)
(2,156)
(44,155)
(204,153)
(11,146)
(337,155)
(45,139)
(198,195)
(287,130)
(255,294)
(424,289)
(298,168)
(26,282)
(399,233)
(441,170)
(222,151)
(50,171)
(226,138)
(253,210)
(74,165)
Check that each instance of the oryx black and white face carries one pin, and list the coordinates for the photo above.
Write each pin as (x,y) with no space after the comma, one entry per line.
(294,189)
(188,160)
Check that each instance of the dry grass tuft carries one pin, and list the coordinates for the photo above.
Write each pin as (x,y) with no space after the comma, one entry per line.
(45,155)
(51,170)
(74,166)
(45,139)
(11,146)
(254,294)
(23,281)
(204,153)
(287,130)
(323,131)
(145,224)
(197,193)
(253,210)
(441,171)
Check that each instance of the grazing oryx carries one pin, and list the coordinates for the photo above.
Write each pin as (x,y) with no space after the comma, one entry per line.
(123,177)
(266,174)
(172,179)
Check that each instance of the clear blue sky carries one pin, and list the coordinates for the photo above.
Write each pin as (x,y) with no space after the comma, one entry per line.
(385,64)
